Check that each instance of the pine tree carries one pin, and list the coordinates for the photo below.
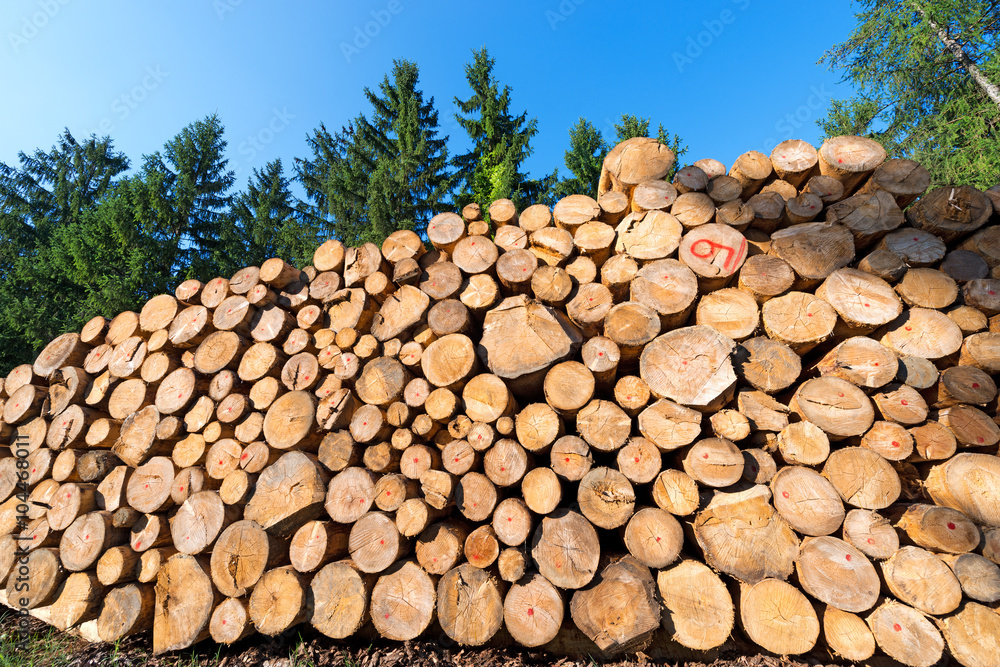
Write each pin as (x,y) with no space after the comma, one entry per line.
(587,149)
(927,74)
(269,223)
(501,142)
(383,173)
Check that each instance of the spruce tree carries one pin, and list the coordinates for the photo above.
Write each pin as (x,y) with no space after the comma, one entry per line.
(587,149)
(927,76)
(47,195)
(186,191)
(268,221)
(382,173)
(501,142)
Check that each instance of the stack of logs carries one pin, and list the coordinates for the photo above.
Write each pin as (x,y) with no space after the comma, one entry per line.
(760,398)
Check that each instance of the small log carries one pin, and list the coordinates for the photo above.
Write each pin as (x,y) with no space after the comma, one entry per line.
(691,366)
(340,599)
(648,236)
(279,600)
(799,319)
(288,493)
(764,546)
(920,579)
(714,253)
(836,406)
(230,621)
(117,565)
(731,312)
(621,611)
(475,495)
(778,617)
(243,552)
(971,635)
(714,462)
(403,601)
(699,608)
(962,483)
(184,602)
(126,610)
(939,529)
(351,494)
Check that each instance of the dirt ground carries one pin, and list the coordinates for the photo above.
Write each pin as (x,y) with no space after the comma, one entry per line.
(304,647)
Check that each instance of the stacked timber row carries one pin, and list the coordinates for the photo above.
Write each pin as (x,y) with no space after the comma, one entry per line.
(757,402)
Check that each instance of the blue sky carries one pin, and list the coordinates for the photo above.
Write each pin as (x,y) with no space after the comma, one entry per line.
(728,76)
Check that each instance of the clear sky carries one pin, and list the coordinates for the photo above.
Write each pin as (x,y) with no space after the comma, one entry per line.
(727,75)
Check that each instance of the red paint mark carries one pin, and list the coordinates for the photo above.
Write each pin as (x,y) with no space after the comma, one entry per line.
(637,459)
(147,486)
(567,459)
(182,488)
(992,293)
(416,460)
(895,444)
(732,256)
(975,385)
(903,402)
(784,494)
(456,460)
(876,363)
(387,615)
(871,541)
(510,518)
(502,469)
(848,557)
(531,612)
(381,541)
(868,305)
(600,354)
(840,159)
(244,456)
(69,494)
(33,469)
(704,456)
(951,526)
(86,537)
(897,627)
(980,439)
(223,621)
(908,328)
(475,504)
(657,538)
(841,394)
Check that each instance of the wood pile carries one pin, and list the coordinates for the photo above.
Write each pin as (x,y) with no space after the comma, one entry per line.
(751,404)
